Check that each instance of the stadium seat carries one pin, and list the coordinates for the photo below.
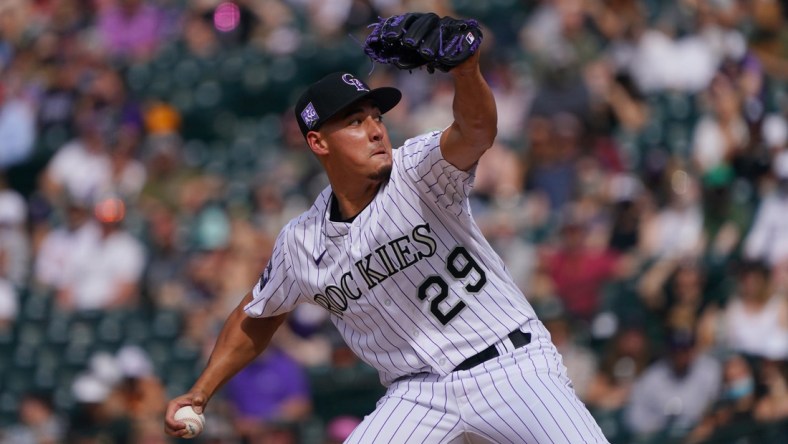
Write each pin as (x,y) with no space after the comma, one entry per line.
(166,324)
(9,408)
(136,329)
(52,138)
(31,335)
(677,139)
(111,328)
(138,78)
(188,72)
(18,380)
(36,305)
(58,328)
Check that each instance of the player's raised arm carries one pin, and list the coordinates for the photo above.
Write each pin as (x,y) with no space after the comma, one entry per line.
(475,116)
(241,340)
(447,44)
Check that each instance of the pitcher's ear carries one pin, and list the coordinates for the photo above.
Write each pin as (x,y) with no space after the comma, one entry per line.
(316,143)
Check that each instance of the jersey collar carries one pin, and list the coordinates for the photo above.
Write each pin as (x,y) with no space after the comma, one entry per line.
(328,228)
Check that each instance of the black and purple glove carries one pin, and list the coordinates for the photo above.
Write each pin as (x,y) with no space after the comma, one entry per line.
(416,39)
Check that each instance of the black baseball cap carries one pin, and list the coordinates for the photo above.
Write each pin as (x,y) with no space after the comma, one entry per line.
(680,339)
(334,92)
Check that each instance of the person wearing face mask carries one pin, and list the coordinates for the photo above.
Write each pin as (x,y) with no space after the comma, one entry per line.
(731,417)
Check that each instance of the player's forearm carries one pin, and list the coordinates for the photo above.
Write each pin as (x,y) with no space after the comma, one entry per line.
(241,340)
(475,114)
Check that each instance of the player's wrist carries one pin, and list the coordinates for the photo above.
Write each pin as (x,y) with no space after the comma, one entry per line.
(200,395)
(467,68)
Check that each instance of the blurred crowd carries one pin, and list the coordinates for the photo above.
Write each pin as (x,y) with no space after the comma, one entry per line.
(637,191)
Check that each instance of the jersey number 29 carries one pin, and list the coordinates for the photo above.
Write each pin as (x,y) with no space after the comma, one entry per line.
(458,271)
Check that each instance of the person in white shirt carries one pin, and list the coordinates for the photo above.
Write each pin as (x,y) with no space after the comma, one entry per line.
(17,128)
(104,264)
(768,238)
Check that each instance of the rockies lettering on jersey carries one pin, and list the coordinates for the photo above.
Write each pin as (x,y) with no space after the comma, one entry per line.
(335,299)
(411,283)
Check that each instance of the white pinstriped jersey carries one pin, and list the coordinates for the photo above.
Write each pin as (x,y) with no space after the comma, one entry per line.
(411,283)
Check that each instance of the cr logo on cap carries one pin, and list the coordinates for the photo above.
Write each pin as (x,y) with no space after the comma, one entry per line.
(352,81)
(309,115)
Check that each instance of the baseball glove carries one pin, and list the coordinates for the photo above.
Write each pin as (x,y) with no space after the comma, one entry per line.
(414,39)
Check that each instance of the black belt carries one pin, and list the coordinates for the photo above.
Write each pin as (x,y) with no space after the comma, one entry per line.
(518,339)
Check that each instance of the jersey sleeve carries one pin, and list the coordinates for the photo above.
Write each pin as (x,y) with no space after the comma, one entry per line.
(275,292)
(424,165)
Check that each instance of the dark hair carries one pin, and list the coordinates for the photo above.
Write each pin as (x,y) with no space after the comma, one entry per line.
(752,265)
(680,338)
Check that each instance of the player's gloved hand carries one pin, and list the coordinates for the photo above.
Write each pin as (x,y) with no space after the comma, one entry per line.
(416,39)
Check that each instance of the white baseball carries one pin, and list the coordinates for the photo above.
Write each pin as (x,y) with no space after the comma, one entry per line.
(194,422)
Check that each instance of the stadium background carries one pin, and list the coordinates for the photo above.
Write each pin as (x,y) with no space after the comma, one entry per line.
(148,157)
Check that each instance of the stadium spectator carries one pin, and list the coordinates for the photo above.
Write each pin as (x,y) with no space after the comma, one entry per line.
(272,389)
(672,54)
(14,255)
(628,207)
(623,360)
(672,394)
(676,230)
(772,406)
(166,257)
(38,422)
(82,167)
(755,320)
(768,238)
(54,258)
(722,136)
(9,303)
(550,159)
(579,270)
(676,292)
(106,266)
(17,122)
(725,217)
(769,37)
(731,416)
(130,29)
(57,102)
(14,237)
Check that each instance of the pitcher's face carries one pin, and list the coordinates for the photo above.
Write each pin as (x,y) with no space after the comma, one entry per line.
(358,142)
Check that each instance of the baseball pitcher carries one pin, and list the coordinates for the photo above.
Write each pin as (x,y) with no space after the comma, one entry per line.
(391,250)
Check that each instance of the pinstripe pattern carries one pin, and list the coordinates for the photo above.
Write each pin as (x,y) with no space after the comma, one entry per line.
(414,288)
(522,397)
(387,325)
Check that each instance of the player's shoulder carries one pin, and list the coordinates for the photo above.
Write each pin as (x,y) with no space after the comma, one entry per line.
(424,140)
(412,153)
(312,217)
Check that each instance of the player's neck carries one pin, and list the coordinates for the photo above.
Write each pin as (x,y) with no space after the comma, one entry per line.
(335,214)
(345,206)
